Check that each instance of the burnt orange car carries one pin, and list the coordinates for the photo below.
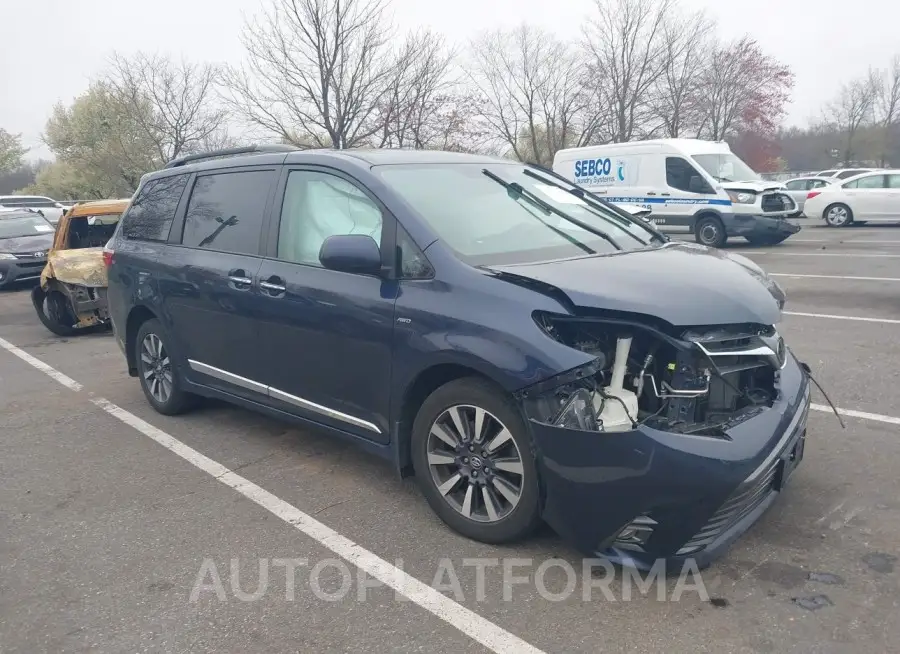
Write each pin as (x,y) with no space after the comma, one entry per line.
(72,294)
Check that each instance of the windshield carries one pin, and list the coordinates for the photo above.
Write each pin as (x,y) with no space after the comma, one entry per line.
(16,225)
(726,167)
(498,213)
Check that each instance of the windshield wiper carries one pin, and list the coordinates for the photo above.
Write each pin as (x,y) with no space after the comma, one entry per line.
(516,188)
(546,206)
(598,204)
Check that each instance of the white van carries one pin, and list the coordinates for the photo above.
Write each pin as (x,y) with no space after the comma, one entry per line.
(685,183)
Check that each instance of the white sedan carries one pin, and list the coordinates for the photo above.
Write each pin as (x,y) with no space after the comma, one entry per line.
(870,196)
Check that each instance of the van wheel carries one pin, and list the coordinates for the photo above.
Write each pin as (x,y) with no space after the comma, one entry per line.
(710,232)
(474,463)
(160,378)
(838,215)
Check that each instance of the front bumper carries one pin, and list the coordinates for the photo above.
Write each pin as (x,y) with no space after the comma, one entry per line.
(696,494)
(753,225)
(20,269)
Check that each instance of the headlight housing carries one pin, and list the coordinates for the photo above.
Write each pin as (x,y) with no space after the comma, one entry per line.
(742,197)
(6,255)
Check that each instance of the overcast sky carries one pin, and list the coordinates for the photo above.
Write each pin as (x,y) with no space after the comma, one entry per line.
(51,48)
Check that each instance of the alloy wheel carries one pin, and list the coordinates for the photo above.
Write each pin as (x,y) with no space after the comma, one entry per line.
(475,463)
(156,368)
(837,216)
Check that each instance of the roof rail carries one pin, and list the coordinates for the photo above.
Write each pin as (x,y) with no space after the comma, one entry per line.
(230,152)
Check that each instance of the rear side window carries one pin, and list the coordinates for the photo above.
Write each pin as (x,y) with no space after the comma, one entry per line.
(797,185)
(893,181)
(150,215)
(225,212)
(872,181)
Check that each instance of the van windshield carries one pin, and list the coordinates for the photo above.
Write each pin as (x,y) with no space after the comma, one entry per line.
(726,167)
(497,213)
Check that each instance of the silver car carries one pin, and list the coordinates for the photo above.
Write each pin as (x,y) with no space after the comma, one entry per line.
(50,209)
(799,187)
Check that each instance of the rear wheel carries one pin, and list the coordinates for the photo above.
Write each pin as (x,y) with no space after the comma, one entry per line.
(710,231)
(473,460)
(838,215)
(160,378)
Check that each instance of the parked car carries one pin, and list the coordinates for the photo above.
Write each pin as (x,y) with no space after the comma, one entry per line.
(51,209)
(844,173)
(870,196)
(691,184)
(799,187)
(526,352)
(71,297)
(25,238)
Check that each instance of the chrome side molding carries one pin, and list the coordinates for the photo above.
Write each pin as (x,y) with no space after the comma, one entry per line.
(274,393)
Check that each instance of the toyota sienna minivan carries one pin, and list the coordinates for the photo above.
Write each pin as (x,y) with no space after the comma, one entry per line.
(525,351)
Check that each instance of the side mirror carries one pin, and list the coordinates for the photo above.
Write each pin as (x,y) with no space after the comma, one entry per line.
(352,253)
(697,185)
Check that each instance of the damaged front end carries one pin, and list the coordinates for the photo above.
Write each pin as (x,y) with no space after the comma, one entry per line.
(671,441)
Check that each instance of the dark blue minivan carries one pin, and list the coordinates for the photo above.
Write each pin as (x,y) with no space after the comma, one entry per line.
(526,350)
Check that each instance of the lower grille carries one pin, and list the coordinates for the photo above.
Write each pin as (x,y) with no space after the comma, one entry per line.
(741,503)
(773,202)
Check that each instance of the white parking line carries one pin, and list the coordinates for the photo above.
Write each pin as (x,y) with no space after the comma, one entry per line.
(886,321)
(65,380)
(492,636)
(858,279)
(877,417)
(855,255)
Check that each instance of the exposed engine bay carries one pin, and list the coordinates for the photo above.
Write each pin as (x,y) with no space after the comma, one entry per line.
(700,381)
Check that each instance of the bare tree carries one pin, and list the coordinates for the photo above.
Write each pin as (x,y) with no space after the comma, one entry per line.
(412,112)
(741,86)
(174,102)
(852,109)
(887,106)
(317,71)
(675,99)
(531,92)
(629,53)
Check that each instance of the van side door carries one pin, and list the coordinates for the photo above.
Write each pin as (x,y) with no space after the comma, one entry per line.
(325,336)
(208,278)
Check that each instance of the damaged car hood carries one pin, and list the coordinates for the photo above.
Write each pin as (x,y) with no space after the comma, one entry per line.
(83,267)
(681,283)
(27,244)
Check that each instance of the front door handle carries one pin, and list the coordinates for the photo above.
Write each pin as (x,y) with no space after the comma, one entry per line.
(238,279)
(273,286)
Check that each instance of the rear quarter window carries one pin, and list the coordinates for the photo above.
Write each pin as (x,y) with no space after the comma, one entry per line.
(149,218)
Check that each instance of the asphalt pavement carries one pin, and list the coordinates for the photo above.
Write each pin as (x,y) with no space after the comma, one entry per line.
(127,531)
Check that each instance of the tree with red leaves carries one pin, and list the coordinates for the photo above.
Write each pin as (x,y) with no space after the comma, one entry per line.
(746,93)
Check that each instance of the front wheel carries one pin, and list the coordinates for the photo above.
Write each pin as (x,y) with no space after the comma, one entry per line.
(710,232)
(838,215)
(473,461)
(766,240)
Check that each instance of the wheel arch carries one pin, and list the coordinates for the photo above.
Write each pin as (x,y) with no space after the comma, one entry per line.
(422,385)
(136,317)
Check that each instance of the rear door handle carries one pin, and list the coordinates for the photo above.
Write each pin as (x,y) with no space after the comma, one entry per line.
(666,194)
(652,193)
(273,286)
(238,279)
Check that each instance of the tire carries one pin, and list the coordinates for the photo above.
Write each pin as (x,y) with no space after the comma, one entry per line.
(710,231)
(838,215)
(160,378)
(53,311)
(766,240)
(512,486)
